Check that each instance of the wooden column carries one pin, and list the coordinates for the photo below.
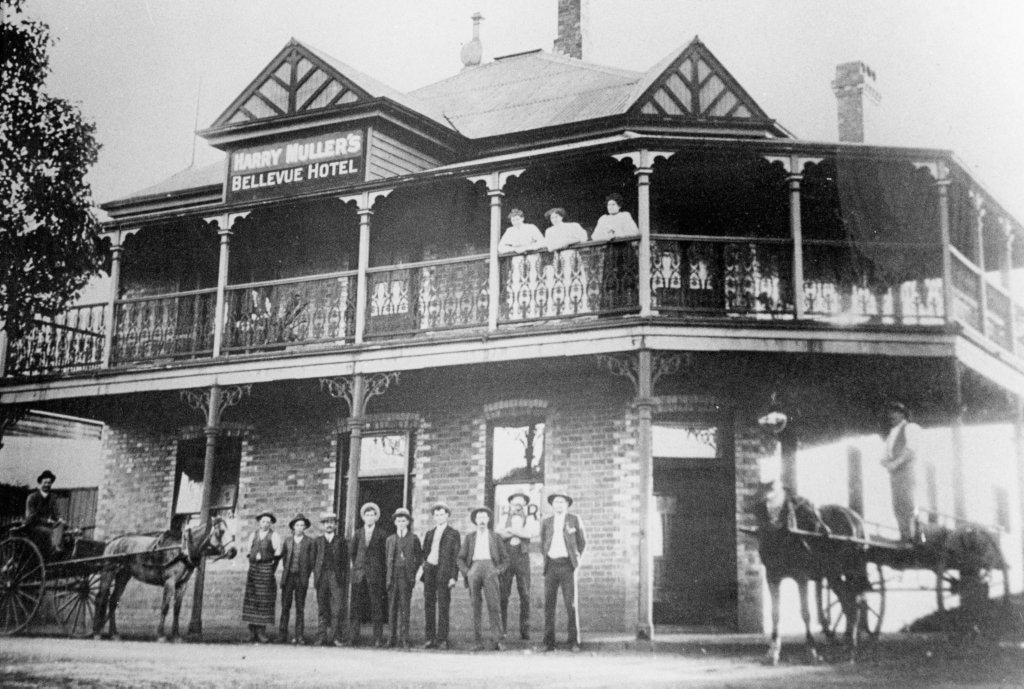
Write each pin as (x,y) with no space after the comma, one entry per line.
(957,427)
(3,351)
(855,479)
(111,311)
(797,233)
(362,296)
(1018,446)
(1009,283)
(493,274)
(213,403)
(978,202)
(224,231)
(947,258)
(643,213)
(644,405)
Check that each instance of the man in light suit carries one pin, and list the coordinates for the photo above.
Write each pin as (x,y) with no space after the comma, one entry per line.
(330,578)
(404,556)
(369,569)
(440,574)
(482,559)
(562,542)
(297,559)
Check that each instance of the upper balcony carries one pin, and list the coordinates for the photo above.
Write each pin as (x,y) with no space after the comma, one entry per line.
(849,240)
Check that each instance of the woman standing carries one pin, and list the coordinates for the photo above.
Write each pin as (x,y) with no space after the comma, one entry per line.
(258,604)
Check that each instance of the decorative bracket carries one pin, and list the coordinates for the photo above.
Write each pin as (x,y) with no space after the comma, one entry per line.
(343,388)
(628,366)
(364,201)
(199,400)
(495,181)
(938,169)
(643,159)
(793,165)
(227,221)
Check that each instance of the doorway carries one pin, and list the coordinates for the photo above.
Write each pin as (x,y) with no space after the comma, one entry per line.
(694,530)
(385,461)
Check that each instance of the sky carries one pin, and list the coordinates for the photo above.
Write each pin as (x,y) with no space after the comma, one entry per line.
(147,72)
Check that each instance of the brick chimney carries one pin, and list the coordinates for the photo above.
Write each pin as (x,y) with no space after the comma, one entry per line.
(570,33)
(857,99)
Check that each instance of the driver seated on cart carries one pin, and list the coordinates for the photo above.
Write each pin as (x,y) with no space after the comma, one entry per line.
(42,523)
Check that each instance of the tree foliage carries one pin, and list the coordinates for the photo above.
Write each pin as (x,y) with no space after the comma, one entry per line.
(48,234)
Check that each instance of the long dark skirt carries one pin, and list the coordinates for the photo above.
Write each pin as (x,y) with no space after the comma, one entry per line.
(258,605)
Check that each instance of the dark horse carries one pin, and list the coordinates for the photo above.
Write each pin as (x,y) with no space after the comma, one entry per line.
(162,560)
(798,542)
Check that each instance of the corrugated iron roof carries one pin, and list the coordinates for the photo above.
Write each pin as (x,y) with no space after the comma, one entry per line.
(189,178)
(529,91)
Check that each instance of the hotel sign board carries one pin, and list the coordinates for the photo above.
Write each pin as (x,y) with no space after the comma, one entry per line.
(314,163)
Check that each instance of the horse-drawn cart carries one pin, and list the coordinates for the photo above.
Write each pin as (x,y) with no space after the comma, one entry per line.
(72,577)
(959,560)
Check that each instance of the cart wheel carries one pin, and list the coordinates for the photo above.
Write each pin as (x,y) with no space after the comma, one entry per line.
(75,604)
(833,617)
(22,582)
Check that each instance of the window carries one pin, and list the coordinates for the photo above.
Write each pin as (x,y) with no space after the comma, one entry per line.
(515,460)
(188,481)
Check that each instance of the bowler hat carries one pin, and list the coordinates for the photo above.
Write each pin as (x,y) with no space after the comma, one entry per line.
(298,518)
(441,506)
(328,517)
(261,515)
(476,510)
(559,494)
(401,512)
(370,506)
(46,474)
(524,496)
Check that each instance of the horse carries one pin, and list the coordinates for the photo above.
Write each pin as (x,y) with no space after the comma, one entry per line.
(162,559)
(796,541)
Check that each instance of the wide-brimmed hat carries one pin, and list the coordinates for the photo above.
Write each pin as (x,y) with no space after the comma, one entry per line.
(773,421)
(328,517)
(369,506)
(261,515)
(401,512)
(476,510)
(441,506)
(298,518)
(46,474)
(559,494)
(522,495)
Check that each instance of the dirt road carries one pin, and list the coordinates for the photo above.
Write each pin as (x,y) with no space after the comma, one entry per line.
(897,661)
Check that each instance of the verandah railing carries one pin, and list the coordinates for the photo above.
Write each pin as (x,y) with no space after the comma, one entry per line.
(691,276)
(71,342)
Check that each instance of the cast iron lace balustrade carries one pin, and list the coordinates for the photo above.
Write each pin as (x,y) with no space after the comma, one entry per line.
(997,315)
(847,287)
(170,326)
(283,313)
(69,343)
(429,295)
(966,284)
(733,276)
(570,282)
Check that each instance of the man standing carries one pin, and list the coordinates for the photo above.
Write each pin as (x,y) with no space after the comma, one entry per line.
(901,448)
(482,559)
(562,542)
(330,578)
(297,560)
(41,518)
(404,557)
(516,530)
(369,569)
(440,574)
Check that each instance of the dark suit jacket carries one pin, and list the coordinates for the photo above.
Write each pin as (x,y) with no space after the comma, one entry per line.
(447,554)
(331,559)
(305,553)
(575,540)
(403,550)
(499,555)
(374,562)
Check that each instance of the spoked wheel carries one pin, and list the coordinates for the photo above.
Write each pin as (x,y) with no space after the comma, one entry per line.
(973,586)
(872,611)
(22,581)
(74,602)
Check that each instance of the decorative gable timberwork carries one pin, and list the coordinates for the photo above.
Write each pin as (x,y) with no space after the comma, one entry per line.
(695,84)
(295,82)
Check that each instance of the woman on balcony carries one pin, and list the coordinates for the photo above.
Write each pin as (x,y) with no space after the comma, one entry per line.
(523,274)
(620,269)
(566,277)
